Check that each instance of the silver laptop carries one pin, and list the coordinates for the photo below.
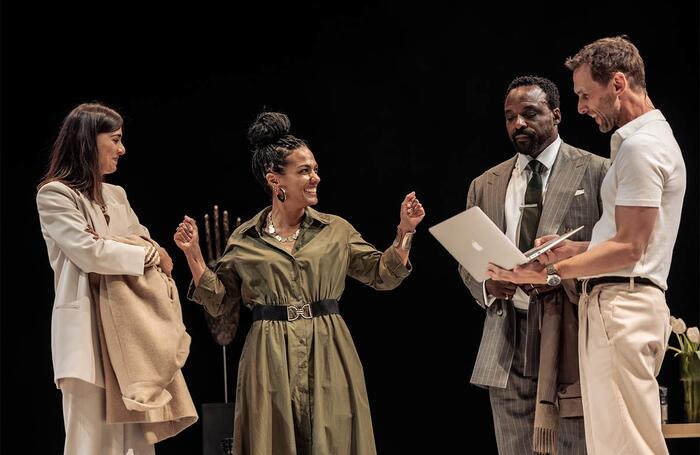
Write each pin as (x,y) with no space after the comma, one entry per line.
(475,241)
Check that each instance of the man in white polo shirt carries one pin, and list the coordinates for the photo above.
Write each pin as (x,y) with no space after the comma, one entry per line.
(623,316)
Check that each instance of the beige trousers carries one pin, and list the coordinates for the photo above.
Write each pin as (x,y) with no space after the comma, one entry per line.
(623,335)
(88,433)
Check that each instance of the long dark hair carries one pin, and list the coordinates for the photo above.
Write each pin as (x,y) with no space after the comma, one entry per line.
(74,159)
(271,144)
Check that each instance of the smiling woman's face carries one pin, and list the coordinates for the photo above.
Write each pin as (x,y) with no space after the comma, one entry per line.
(300,179)
(109,149)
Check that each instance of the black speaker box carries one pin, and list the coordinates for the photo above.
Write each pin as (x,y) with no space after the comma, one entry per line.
(217,425)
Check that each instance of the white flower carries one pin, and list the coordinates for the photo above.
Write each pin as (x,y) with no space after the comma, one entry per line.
(677,325)
(694,335)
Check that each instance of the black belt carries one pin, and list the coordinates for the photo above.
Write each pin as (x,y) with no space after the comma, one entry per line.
(591,282)
(294,312)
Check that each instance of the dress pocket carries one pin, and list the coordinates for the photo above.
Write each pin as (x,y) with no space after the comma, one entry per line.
(81,303)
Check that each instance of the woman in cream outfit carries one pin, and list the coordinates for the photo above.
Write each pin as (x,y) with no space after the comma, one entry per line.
(77,210)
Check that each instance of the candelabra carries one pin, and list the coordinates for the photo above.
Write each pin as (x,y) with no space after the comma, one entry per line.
(222,327)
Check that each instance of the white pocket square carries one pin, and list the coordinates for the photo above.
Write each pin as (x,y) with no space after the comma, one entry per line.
(579,192)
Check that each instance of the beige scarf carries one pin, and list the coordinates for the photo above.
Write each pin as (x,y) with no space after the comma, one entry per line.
(558,386)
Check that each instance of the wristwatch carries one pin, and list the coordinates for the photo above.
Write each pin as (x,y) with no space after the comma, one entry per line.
(553,278)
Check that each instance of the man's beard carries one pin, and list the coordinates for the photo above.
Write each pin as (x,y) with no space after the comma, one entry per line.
(609,115)
(531,147)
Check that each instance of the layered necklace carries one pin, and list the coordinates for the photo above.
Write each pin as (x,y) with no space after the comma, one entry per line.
(273,232)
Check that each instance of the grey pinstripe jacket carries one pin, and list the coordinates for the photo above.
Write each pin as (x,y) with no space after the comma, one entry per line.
(574,171)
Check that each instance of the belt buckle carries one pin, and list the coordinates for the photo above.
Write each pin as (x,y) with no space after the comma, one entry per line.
(294,311)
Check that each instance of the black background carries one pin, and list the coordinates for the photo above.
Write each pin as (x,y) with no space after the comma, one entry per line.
(391,99)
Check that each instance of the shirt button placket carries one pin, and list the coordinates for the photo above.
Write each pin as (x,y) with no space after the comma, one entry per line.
(304,328)
(296,277)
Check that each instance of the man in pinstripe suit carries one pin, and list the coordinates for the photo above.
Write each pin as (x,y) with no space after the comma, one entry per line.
(567,185)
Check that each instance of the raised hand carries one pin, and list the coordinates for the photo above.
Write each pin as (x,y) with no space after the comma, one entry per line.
(187,236)
(412,213)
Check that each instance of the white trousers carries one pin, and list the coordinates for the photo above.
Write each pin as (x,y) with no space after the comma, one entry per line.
(623,336)
(87,431)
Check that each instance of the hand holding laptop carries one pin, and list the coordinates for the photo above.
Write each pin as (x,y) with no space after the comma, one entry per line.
(563,250)
(530,273)
(475,241)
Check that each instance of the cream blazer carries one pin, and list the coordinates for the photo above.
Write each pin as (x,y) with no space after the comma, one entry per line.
(73,253)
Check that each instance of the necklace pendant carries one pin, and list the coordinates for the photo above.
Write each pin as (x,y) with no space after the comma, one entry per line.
(270,225)
(273,232)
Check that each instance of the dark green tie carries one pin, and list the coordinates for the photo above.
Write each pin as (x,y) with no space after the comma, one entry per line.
(532,206)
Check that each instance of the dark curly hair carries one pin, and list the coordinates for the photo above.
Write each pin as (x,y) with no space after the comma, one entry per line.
(271,144)
(547,86)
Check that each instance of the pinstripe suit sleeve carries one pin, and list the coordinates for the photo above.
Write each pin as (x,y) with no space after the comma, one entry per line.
(475,287)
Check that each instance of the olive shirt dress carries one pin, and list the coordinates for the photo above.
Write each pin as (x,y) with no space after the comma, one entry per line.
(301,387)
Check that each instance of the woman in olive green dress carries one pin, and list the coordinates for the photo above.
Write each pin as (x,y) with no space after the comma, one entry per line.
(301,387)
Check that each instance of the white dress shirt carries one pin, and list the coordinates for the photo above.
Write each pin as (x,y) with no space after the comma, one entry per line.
(515,196)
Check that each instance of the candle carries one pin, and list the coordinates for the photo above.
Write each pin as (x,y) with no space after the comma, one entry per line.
(207,236)
(217,233)
(226,232)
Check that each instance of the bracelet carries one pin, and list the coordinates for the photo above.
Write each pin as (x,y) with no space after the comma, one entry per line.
(403,239)
(152,257)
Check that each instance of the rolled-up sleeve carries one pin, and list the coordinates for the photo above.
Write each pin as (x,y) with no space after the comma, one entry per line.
(218,291)
(381,271)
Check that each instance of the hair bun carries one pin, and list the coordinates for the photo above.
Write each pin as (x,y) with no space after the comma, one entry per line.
(268,128)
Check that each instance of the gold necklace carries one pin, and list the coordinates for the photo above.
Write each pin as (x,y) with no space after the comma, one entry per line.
(273,232)
(103,207)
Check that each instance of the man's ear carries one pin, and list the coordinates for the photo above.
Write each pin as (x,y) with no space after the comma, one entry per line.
(556,113)
(620,82)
